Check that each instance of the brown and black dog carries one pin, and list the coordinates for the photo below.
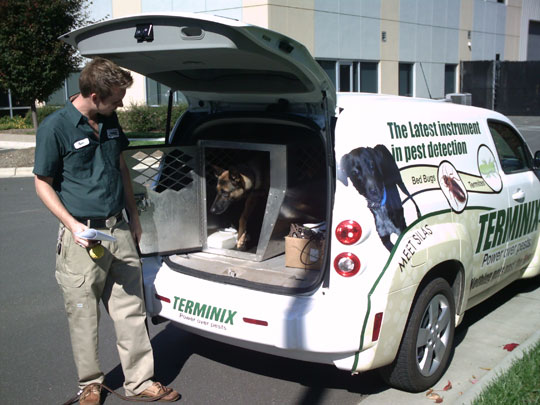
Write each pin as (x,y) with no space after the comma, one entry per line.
(247,182)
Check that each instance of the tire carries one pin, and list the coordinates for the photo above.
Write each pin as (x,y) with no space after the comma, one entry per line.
(428,342)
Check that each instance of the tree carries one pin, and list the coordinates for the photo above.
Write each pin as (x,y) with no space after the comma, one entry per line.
(33,62)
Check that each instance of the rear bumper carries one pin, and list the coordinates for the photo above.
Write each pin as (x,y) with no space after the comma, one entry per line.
(319,327)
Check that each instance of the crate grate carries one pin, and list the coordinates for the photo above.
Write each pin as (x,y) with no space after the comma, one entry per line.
(162,171)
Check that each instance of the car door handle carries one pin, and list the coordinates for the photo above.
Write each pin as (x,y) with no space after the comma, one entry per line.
(518,196)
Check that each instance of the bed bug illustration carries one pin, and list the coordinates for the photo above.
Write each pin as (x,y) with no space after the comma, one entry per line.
(453,187)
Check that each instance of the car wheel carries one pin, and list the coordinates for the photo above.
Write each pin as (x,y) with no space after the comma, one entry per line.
(428,341)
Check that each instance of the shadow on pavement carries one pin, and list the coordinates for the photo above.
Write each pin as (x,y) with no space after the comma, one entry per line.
(483,309)
(317,378)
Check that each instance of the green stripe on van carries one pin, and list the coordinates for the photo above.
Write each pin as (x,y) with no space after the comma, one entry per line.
(424,217)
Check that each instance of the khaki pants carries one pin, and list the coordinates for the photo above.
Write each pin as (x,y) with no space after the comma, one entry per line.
(116,279)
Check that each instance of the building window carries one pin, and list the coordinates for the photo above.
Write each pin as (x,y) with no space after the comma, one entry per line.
(156,93)
(68,89)
(406,79)
(369,77)
(449,79)
(345,77)
(329,66)
(352,76)
(533,41)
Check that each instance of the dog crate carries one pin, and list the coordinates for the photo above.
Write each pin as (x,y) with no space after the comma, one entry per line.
(174,187)
(268,241)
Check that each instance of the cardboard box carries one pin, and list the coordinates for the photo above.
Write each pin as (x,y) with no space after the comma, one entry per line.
(303,253)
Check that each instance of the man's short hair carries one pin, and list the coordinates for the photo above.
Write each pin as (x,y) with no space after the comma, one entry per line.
(100,76)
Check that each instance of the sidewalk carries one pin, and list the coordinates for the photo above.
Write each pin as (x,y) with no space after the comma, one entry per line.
(16,141)
(19,141)
(479,356)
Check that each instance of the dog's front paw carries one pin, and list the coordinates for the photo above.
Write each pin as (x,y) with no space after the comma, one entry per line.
(242,241)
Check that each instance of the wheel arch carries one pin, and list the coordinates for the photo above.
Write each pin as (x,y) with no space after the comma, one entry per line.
(453,272)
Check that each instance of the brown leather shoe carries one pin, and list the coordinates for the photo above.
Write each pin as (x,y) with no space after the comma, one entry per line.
(159,393)
(91,395)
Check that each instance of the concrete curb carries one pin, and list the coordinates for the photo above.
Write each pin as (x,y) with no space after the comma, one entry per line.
(517,354)
(6,172)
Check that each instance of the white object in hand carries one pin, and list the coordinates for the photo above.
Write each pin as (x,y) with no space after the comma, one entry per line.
(94,234)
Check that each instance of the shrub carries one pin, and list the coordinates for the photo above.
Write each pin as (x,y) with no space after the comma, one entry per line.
(142,118)
(42,113)
(17,122)
(136,118)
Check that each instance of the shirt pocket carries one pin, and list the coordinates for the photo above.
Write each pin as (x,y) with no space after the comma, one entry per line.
(79,163)
(111,151)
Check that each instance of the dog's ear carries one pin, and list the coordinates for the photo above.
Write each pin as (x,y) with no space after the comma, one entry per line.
(235,177)
(343,169)
(387,165)
(217,170)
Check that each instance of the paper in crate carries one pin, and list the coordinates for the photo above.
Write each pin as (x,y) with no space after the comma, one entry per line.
(303,253)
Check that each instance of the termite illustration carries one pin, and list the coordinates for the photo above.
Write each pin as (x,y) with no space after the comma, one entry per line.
(488,168)
(487,165)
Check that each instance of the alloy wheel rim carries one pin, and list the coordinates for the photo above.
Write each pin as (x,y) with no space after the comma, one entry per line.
(433,335)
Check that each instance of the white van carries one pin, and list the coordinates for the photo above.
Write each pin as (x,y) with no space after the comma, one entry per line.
(373,222)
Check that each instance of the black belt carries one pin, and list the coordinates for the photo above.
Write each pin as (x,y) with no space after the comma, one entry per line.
(101,222)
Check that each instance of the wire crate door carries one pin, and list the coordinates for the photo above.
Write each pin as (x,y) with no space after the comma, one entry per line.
(167,192)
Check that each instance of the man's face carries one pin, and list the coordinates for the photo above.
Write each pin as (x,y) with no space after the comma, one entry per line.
(109,104)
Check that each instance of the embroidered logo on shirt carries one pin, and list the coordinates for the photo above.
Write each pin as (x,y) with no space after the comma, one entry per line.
(82,143)
(113,133)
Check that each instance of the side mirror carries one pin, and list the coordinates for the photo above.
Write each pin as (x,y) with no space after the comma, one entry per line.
(536,161)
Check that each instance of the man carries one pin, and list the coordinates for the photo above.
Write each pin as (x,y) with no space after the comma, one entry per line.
(81,177)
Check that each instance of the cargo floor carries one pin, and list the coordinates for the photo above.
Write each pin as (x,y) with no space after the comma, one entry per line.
(271,272)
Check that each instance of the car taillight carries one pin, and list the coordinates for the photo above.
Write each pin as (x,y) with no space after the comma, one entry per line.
(348,232)
(347,264)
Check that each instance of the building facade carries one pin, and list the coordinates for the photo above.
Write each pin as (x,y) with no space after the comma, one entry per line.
(406,47)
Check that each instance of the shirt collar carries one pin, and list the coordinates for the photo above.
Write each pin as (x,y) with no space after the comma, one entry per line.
(74,115)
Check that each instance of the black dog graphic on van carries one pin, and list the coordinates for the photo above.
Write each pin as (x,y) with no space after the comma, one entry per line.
(375,175)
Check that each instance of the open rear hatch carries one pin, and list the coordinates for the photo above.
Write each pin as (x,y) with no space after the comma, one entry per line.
(213,57)
(215,63)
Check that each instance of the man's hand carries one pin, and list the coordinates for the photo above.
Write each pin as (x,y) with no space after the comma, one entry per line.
(77,227)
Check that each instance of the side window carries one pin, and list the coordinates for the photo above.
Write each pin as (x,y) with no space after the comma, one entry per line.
(513,153)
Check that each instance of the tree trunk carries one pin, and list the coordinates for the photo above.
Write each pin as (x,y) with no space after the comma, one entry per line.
(34,114)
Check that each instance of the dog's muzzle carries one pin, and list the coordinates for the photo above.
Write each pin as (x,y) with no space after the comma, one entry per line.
(220,205)
(373,205)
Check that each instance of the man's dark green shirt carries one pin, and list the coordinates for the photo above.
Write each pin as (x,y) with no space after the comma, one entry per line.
(85,168)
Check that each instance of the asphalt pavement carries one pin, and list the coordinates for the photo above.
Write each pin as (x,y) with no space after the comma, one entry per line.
(511,316)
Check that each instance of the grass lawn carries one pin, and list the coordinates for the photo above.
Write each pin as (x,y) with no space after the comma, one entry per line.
(519,385)
(145,143)
(135,135)
(146,135)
